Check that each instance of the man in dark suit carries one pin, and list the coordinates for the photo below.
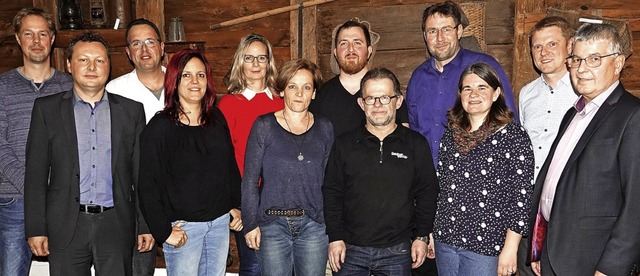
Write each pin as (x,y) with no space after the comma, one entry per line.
(81,170)
(586,196)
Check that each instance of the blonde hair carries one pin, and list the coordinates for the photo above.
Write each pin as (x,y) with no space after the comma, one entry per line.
(237,80)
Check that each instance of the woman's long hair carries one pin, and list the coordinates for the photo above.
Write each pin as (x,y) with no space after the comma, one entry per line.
(237,81)
(173,77)
(499,112)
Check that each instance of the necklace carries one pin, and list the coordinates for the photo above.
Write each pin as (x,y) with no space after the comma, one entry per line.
(304,135)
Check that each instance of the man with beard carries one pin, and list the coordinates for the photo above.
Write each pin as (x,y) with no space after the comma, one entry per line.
(35,32)
(145,84)
(432,89)
(380,189)
(337,98)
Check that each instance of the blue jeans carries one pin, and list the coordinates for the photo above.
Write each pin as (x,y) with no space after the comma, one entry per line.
(452,261)
(291,244)
(15,256)
(249,265)
(365,261)
(204,253)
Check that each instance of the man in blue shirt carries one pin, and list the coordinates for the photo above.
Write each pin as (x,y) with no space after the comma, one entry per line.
(433,86)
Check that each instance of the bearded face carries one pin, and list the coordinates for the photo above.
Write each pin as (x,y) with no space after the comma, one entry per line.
(352,52)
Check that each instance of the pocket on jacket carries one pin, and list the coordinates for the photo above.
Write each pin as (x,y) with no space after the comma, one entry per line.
(598,223)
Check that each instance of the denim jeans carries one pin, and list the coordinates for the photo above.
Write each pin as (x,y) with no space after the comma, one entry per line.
(293,244)
(453,261)
(15,256)
(249,265)
(365,261)
(204,253)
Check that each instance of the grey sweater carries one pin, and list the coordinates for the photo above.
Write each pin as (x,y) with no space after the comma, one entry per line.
(17,94)
(287,183)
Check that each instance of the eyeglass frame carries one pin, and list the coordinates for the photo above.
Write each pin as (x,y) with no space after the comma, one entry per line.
(570,58)
(442,30)
(253,58)
(145,42)
(379,99)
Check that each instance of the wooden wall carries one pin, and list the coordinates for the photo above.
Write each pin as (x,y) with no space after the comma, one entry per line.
(10,54)
(221,44)
(529,11)
(401,47)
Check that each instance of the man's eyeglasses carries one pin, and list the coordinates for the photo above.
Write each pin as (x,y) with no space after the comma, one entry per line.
(591,61)
(384,100)
(448,30)
(250,58)
(150,42)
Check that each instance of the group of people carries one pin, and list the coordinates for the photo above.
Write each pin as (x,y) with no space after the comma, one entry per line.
(349,173)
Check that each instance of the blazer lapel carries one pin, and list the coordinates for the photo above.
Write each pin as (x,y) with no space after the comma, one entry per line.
(116,129)
(69,125)
(603,112)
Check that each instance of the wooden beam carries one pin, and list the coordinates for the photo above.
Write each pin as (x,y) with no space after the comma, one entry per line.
(152,10)
(309,33)
(527,13)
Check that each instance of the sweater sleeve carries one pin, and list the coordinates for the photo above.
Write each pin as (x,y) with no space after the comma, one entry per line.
(250,188)
(333,195)
(152,177)
(425,189)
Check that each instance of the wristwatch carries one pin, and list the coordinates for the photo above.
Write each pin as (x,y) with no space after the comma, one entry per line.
(422,238)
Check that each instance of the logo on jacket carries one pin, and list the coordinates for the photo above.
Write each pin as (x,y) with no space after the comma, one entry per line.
(399,155)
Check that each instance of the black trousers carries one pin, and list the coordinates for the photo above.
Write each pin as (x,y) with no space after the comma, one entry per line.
(98,240)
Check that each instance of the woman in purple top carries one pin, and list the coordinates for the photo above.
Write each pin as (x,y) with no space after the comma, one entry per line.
(485,172)
(284,170)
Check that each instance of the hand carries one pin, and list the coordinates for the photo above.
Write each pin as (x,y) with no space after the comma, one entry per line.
(253,239)
(431,250)
(178,236)
(598,273)
(507,262)
(337,252)
(418,253)
(535,266)
(39,245)
(145,242)
(236,223)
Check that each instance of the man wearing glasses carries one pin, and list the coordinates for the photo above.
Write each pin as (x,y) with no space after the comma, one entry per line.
(337,98)
(145,84)
(380,189)
(544,101)
(592,170)
(433,86)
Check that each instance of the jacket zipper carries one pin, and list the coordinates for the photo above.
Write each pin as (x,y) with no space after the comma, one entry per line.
(381,151)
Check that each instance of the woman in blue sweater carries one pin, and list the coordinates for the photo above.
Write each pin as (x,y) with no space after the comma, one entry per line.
(284,170)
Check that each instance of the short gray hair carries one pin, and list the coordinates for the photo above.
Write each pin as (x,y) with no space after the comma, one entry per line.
(591,32)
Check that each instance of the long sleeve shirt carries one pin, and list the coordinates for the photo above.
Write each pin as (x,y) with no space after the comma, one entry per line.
(17,94)
(431,93)
(485,191)
(186,173)
(287,182)
(379,193)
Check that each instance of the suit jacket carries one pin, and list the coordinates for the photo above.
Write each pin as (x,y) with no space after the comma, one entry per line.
(52,183)
(595,219)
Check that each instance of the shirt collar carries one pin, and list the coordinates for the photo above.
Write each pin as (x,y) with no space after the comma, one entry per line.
(584,108)
(249,94)
(77,99)
(564,81)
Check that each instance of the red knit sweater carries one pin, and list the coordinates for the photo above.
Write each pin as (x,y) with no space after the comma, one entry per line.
(241,113)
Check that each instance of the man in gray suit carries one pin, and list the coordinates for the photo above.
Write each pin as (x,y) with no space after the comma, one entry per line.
(586,213)
(81,170)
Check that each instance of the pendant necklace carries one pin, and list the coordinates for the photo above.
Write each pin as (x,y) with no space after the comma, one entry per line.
(304,135)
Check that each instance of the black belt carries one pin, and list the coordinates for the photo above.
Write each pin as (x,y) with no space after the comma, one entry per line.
(285,213)
(93,209)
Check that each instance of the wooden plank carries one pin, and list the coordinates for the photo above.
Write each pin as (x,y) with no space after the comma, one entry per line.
(152,10)
(590,4)
(115,38)
(10,55)
(527,13)
(309,37)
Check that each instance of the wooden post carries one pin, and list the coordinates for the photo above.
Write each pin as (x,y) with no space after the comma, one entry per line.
(309,34)
(527,13)
(152,10)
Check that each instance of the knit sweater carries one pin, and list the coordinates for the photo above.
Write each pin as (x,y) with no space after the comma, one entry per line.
(288,182)
(241,113)
(17,94)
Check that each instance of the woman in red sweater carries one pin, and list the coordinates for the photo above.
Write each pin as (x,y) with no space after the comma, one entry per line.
(250,86)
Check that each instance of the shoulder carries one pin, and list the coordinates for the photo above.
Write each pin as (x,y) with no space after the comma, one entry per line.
(54,98)
(420,70)
(159,121)
(228,100)
(126,102)
(9,76)
(329,86)
(62,77)
(119,81)
(470,57)
(514,132)
(530,88)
